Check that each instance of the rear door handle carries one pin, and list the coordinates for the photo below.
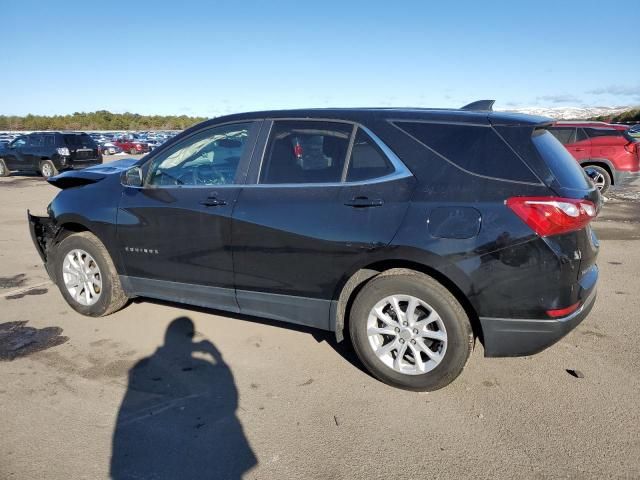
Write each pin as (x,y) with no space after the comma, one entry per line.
(213,202)
(579,149)
(364,202)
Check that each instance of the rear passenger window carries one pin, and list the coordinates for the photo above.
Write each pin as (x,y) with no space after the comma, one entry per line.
(367,161)
(36,140)
(304,151)
(476,149)
(564,135)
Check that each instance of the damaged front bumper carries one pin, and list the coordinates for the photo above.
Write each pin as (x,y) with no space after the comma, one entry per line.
(43,232)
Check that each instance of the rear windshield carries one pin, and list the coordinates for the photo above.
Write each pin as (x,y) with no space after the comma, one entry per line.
(79,140)
(564,167)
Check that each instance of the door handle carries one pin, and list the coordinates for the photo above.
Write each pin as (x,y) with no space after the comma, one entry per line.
(213,202)
(579,149)
(364,202)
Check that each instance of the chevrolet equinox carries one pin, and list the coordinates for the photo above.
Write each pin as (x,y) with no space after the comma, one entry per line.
(413,231)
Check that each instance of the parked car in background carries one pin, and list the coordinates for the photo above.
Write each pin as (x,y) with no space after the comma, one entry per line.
(48,153)
(634,131)
(109,148)
(132,146)
(608,153)
(410,229)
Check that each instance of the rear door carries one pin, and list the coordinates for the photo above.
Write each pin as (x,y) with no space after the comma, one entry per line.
(81,147)
(309,218)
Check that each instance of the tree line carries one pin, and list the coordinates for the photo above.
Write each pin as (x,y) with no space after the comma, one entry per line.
(100,120)
(632,115)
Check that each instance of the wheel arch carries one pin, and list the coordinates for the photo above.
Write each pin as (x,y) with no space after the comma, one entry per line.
(351,287)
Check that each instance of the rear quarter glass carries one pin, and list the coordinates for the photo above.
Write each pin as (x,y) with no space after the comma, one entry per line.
(475,149)
(564,167)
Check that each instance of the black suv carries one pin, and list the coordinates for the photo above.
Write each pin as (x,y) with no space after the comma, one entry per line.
(414,230)
(48,153)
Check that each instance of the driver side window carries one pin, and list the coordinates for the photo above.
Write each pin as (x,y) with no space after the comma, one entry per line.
(210,157)
(19,142)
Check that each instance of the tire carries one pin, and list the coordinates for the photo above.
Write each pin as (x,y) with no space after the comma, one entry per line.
(111,297)
(4,171)
(602,178)
(133,151)
(48,169)
(452,324)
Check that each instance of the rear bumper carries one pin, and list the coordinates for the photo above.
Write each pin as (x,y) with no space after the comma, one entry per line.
(81,165)
(511,337)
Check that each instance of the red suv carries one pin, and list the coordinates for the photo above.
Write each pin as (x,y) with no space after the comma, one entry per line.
(132,146)
(606,152)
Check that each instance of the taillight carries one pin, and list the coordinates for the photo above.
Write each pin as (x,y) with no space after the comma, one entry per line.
(563,312)
(631,147)
(553,215)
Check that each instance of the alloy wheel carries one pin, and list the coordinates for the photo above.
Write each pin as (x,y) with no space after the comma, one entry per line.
(407,334)
(82,277)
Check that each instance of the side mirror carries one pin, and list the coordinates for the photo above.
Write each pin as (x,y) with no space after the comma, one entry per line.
(132,177)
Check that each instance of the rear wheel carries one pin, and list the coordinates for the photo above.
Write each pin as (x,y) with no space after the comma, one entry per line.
(599,176)
(4,171)
(48,169)
(87,277)
(133,151)
(410,331)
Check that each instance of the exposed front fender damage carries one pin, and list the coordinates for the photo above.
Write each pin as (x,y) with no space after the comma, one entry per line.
(43,233)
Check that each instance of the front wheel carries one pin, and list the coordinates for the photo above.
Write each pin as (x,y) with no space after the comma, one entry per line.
(4,171)
(410,331)
(133,151)
(87,277)
(599,176)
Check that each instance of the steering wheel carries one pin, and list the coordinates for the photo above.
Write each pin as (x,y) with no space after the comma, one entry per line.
(205,174)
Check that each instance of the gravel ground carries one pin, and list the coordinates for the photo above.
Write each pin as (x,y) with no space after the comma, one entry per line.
(250,398)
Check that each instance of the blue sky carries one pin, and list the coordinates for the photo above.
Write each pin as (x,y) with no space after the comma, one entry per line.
(215,57)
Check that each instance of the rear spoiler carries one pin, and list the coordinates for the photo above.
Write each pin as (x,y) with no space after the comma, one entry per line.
(480,105)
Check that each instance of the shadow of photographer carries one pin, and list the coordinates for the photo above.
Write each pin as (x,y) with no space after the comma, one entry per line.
(178,416)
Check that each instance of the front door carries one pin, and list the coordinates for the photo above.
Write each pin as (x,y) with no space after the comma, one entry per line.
(310,219)
(15,155)
(175,232)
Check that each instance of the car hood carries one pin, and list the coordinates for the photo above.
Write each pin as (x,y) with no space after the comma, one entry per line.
(77,178)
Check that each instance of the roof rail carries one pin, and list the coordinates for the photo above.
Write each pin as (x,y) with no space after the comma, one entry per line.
(480,105)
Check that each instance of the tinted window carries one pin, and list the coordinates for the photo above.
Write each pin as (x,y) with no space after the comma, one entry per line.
(49,141)
(476,149)
(79,140)
(581,135)
(603,132)
(302,151)
(367,161)
(210,157)
(563,134)
(19,142)
(36,141)
(564,167)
